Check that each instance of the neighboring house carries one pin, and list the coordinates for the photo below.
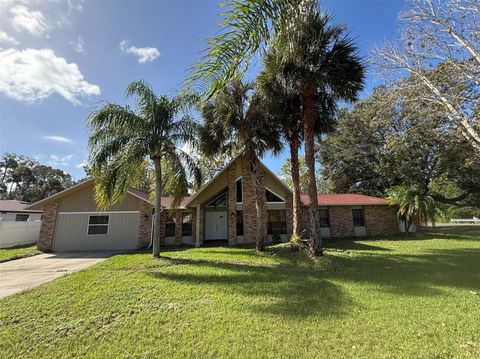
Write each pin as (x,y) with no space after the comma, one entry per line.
(223,211)
(12,210)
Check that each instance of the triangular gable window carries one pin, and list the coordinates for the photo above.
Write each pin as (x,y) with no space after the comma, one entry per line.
(220,201)
(272,197)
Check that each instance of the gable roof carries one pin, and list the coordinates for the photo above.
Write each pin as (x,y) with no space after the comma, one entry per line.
(219,173)
(344,199)
(11,205)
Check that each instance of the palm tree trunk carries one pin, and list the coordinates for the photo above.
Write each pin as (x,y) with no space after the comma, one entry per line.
(259,205)
(295,173)
(158,206)
(315,241)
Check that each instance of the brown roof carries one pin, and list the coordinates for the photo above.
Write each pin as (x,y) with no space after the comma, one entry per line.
(166,201)
(10,205)
(344,199)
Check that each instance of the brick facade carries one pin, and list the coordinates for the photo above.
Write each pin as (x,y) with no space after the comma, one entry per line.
(379,220)
(47,229)
(145,225)
(232,205)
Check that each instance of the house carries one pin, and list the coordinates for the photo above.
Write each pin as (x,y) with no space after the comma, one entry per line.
(223,211)
(13,210)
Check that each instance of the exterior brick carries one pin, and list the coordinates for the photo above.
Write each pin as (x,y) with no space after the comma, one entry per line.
(381,220)
(289,214)
(178,226)
(232,206)
(145,226)
(341,221)
(47,228)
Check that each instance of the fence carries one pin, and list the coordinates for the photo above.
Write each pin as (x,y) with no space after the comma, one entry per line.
(17,233)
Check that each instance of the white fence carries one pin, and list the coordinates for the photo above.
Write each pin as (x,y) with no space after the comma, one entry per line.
(17,233)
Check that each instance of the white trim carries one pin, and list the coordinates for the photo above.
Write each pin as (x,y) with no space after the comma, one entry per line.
(135,195)
(98,225)
(276,194)
(100,213)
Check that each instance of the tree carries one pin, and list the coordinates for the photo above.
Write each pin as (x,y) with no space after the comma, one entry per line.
(441,33)
(394,137)
(286,176)
(246,30)
(27,180)
(235,120)
(413,207)
(320,63)
(121,139)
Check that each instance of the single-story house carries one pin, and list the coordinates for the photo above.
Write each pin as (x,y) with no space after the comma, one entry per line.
(222,211)
(13,210)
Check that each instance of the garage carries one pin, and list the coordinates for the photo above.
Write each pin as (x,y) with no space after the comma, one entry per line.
(96,231)
(72,221)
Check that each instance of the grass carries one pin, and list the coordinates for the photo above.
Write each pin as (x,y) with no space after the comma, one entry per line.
(8,254)
(398,298)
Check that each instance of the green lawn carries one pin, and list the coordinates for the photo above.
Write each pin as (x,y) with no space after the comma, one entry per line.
(8,254)
(416,298)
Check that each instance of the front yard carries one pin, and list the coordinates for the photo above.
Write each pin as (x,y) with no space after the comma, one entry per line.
(8,254)
(372,298)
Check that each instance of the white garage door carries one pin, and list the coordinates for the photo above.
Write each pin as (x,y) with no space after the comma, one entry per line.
(81,231)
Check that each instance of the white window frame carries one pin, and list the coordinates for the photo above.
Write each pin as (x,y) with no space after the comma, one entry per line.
(276,194)
(98,225)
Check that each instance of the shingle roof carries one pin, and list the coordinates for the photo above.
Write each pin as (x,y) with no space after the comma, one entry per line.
(9,205)
(344,199)
(166,201)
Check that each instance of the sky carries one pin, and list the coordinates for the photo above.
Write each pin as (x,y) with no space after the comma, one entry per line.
(59,59)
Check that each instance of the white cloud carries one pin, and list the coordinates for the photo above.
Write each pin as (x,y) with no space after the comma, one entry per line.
(25,19)
(56,160)
(7,39)
(81,164)
(32,75)
(59,139)
(78,45)
(143,54)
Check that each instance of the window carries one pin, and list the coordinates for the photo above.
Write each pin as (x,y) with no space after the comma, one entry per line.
(170,225)
(239,190)
(220,201)
(272,197)
(358,220)
(21,217)
(324,218)
(277,223)
(97,225)
(239,223)
(186,224)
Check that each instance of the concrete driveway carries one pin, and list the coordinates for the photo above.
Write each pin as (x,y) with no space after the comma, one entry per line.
(26,273)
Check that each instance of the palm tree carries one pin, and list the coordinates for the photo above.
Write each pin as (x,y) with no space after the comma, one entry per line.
(320,63)
(122,138)
(413,207)
(234,120)
(285,109)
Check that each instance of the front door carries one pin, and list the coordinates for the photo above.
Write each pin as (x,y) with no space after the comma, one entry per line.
(215,225)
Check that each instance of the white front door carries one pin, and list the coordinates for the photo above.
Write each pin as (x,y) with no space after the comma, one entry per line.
(215,225)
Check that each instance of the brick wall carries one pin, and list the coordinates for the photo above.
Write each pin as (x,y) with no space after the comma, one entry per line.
(145,226)
(232,206)
(289,214)
(341,221)
(47,228)
(178,226)
(381,220)
(304,225)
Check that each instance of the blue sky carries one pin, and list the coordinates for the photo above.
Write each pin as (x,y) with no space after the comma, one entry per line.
(59,59)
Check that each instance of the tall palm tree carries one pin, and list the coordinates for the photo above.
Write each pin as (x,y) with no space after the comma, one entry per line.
(122,138)
(285,109)
(413,207)
(320,63)
(235,120)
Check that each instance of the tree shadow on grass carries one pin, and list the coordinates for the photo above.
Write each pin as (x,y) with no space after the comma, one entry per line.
(416,274)
(283,290)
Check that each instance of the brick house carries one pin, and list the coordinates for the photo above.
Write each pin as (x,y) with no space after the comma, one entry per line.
(223,211)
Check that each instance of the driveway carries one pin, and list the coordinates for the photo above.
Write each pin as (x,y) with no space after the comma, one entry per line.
(25,273)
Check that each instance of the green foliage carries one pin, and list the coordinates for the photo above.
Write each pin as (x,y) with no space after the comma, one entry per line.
(413,207)
(276,301)
(285,175)
(23,178)
(9,254)
(122,139)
